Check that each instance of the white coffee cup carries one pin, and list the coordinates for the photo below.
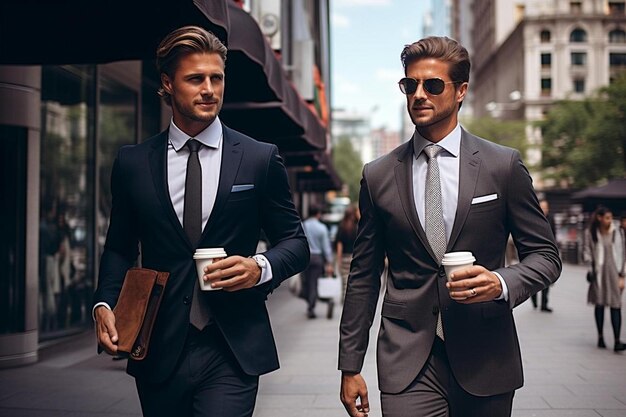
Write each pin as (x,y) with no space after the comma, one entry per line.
(454,261)
(203,258)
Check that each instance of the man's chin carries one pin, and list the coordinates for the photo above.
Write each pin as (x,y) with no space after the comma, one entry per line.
(422,121)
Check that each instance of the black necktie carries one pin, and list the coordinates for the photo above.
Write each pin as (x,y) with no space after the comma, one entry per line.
(192,213)
(192,223)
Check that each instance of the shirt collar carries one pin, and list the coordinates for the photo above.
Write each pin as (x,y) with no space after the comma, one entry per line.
(211,136)
(451,143)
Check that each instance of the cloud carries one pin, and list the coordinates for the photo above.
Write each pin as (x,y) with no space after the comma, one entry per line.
(387,74)
(362,2)
(347,87)
(339,21)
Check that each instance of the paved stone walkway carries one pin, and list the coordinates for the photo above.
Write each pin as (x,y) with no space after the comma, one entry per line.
(566,375)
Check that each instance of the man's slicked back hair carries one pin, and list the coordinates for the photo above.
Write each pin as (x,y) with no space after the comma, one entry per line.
(442,48)
(183,41)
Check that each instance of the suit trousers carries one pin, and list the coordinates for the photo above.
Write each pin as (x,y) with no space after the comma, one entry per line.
(544,298)
(311,274)
(207,382)
(435,393)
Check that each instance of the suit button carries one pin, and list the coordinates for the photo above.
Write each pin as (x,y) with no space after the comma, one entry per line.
(442,272)
(187,300)
(435,310)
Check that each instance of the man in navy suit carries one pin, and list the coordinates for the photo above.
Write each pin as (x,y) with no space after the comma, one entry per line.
(211,368)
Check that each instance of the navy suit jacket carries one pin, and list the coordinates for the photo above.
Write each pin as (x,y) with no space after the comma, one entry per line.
(143,221)
(480,339)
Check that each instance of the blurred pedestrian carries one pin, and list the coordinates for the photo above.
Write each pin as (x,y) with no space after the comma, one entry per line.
(445,348)
(545,207)
(344,241)
(604,252)
(318,236)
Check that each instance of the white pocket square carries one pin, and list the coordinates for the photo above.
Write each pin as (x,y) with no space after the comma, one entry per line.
(241,187)
(484,198)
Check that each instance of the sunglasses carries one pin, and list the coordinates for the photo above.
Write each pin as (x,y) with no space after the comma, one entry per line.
(433,86)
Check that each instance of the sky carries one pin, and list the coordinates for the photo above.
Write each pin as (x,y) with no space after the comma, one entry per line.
(367,37)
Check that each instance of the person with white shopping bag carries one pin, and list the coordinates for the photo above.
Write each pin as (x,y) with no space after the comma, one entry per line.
(318,236)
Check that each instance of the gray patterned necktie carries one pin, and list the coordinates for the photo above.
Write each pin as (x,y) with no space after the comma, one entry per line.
(435,228)
(192,223)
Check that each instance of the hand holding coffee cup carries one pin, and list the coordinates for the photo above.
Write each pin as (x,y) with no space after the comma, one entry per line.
(205,257)
(456,261)
(467,282)
(453,261)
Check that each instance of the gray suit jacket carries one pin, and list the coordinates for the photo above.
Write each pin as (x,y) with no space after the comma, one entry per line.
(480,339)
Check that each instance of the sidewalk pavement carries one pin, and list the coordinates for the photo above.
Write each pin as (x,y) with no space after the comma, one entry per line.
(565,373)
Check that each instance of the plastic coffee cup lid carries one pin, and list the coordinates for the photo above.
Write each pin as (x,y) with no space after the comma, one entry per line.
(209,253)
(456,258)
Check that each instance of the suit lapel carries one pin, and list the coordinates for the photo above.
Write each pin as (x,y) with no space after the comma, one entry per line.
(231,158)
(158,168)
(404,180)
(468,177)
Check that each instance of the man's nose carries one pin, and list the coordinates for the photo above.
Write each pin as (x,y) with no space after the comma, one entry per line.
(420,93)
(207,87)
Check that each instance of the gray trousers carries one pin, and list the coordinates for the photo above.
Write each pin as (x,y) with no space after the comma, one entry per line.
(435,393)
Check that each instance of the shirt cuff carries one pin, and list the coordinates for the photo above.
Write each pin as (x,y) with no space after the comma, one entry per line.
(266,273)
(93,310)
(505,290)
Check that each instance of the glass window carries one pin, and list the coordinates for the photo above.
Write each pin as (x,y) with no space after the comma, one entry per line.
(12,228)
(578,58)
(118,126)
(617,59)
(578,35)
(545,36)
(617,36)
(617,7)
(546,60)
(546,86)
(66,198)
(579,85)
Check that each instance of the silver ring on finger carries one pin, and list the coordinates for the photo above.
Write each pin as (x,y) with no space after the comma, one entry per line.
(473,292)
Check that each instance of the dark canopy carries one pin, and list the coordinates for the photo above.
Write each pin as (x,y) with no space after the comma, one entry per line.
(57,32)
(612,195)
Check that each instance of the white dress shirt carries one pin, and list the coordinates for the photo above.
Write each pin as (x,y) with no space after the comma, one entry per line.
(210,156)
(449,162)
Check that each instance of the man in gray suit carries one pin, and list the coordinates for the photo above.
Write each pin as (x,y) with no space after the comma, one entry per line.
(444,348)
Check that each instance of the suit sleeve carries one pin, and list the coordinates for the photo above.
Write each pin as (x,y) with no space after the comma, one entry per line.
(289,250)
(122,246)
(363,285)
(540,264)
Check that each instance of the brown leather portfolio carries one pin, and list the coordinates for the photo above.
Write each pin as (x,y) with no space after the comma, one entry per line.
(136,310)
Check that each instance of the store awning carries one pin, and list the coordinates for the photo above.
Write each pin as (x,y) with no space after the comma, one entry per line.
(259,99)
(612,195)
(314,171)
(614,189)
(56,32)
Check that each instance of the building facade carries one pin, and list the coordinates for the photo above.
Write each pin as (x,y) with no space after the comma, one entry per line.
(88,87)
(538,52)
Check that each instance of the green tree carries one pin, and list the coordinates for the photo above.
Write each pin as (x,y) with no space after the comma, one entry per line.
(584,141)
(348,165)
(511,133)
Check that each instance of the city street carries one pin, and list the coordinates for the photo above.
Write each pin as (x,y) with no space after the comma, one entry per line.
(565,373)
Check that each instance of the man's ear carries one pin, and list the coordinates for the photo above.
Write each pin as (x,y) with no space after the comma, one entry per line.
(461,92)
(166,83)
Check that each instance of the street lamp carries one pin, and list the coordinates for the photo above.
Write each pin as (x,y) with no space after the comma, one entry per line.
(495,109)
